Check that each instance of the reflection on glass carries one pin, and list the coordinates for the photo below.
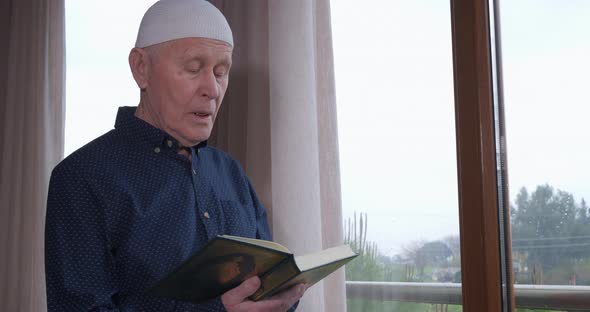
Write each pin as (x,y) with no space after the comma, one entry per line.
(546,65)
(394,87)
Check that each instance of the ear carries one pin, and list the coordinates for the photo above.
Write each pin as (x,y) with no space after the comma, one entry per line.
(139,61)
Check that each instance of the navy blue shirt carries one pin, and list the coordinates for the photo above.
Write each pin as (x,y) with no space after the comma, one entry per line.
(126,209)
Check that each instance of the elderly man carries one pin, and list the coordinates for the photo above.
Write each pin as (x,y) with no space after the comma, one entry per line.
(129,207)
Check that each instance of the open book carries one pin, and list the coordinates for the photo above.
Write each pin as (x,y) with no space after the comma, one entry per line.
(226,261)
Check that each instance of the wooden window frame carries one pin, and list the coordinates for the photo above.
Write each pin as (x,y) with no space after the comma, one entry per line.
(479,209)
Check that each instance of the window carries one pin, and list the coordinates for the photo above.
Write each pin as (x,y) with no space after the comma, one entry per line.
(542,98)
(394,92)
(545,60)
(104,32)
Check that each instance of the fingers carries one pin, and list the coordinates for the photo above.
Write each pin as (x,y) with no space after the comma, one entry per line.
(282,301)
(237,299)
(241,293)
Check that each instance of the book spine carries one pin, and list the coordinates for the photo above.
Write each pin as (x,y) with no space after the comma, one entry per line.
(276,277)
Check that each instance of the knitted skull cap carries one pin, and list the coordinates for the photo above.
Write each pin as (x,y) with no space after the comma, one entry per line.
(175,19)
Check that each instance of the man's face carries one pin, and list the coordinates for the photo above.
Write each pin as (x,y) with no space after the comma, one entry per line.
(187,81)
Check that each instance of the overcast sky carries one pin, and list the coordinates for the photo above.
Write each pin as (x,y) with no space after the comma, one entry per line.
(395,103)
(394,85)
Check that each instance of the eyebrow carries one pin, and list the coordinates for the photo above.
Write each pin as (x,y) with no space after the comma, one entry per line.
(225,61)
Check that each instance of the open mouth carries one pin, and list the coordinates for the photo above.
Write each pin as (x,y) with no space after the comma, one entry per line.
(202,115)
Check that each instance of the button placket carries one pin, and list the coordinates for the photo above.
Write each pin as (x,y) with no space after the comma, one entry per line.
(193,162)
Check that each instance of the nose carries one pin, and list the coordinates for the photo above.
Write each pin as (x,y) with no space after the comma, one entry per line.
(208,85)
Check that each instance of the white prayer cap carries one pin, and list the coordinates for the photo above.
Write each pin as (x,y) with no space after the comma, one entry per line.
(175,19)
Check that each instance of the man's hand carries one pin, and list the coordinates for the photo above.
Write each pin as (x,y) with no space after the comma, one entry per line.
(236,300)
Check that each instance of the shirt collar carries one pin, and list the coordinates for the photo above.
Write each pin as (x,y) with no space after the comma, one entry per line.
(144,133)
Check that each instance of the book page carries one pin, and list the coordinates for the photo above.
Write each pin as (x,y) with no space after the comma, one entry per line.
(258,242)
(309,261)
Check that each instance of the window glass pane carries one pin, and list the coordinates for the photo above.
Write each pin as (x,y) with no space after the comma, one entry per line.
(394,85)
(373,306)
(545,62)
(99,36)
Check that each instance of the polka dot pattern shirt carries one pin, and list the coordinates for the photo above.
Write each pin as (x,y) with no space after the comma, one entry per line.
(127,209)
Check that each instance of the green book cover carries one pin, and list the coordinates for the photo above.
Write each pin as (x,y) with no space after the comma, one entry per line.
(226,261)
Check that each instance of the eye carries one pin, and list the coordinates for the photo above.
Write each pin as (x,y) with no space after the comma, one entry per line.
(220,73)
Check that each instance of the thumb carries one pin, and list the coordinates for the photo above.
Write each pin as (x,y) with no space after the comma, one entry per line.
(239,294)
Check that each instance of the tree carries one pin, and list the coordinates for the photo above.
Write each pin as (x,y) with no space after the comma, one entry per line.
(581,234)
(549,229)
(454,244)
(583,213)
(411,255)
(435,253)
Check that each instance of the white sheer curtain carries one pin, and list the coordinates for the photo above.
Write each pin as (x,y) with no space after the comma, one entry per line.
(32,81)
(279,120)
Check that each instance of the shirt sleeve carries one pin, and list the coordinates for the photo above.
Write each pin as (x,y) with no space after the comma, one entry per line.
(78,262)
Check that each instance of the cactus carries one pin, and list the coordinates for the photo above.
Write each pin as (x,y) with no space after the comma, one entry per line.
(366,266)
(356,236)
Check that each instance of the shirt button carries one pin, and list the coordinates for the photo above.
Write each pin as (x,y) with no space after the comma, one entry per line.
(169,143)
(157,149)
(206,214)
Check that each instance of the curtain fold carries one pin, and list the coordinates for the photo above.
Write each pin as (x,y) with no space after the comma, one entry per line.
(32,83)
(279,120)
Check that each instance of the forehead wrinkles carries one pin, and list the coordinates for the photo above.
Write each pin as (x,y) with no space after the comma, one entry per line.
(205,50)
